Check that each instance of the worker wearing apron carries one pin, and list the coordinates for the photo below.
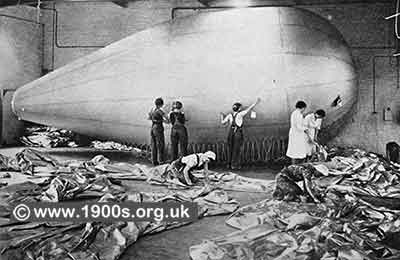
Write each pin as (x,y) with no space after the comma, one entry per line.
(179,135)
(298,134)
(235,135)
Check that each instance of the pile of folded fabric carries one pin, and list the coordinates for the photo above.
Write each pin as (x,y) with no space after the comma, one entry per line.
(50,137)
(357,218)
(110,145)
(45,136)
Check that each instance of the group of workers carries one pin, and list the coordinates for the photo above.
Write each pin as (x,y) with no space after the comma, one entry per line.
(181,167)
(303,133)
(303,142)
(179,135)
(302,137)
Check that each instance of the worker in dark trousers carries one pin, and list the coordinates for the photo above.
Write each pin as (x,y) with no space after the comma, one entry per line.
(235,135)
(157,117)
(179,135)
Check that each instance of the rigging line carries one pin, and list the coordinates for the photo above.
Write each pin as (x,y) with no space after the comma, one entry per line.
(396,20)
(39,2)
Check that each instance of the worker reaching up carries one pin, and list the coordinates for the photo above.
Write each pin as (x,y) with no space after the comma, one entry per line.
(235,135)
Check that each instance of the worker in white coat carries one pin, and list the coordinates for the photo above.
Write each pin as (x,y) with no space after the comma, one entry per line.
(313,123)
(298,134)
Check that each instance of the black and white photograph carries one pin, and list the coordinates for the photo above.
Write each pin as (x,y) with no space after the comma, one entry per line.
(199,129)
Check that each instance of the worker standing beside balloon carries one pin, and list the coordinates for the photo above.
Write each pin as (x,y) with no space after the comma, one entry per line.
(298,134)
(179,135)
(313,123)
(157,117)
(235,135)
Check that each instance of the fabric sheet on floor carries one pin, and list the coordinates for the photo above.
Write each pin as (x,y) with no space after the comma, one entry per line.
(357,218)
(50,180)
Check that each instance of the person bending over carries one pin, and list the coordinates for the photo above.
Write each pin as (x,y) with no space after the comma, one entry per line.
(286,187)
(313,123)
(181,169)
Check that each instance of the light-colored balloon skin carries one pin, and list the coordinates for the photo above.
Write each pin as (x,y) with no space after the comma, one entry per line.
(208,61)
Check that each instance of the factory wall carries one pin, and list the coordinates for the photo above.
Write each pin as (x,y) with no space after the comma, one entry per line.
(372,40)
(20,62)
(82,27)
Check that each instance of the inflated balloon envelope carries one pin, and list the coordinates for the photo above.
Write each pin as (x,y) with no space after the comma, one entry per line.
(207,61)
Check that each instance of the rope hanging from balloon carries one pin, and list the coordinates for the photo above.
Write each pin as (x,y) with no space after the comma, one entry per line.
(39,2)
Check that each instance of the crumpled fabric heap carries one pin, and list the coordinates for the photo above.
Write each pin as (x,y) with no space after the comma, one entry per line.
(51,137)
(78,186)
(35,163)
(118,170)
(42,166)
(358,217)
(99,179)
(94,241)
(48,137)
(8,164)
(31,161)
(110,145)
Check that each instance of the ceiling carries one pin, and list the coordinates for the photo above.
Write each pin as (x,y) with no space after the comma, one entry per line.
(124,3)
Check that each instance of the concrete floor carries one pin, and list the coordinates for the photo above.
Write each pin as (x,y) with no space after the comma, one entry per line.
(172,244)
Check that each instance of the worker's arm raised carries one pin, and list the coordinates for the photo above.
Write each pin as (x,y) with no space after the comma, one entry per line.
(247,110)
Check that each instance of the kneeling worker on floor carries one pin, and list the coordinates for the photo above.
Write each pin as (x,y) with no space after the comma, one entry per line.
(181,169)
